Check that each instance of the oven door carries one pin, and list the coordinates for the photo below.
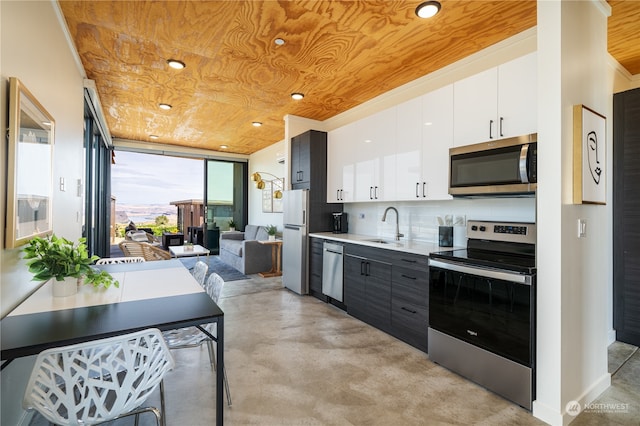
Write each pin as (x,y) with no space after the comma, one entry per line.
(491,309)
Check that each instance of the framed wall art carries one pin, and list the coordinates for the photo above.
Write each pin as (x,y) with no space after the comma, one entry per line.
(29,167)
(589,156)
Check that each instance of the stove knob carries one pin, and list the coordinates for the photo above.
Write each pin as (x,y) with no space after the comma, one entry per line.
(483,228)
(474,228)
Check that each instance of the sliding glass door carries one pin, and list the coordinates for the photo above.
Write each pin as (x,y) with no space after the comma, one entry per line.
(225,199)
(97,214)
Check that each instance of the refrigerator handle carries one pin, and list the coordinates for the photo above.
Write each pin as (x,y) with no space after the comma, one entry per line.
(304,217)
(295,228)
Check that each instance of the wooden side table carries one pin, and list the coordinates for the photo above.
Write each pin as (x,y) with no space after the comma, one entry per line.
(276,254)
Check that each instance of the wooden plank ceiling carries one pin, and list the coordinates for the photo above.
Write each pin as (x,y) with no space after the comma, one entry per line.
(338,53)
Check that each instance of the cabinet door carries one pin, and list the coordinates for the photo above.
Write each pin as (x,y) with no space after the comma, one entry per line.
(475,108)
(375,148)
(517,96)
(409,150)
(301,160)
(354,286)
(340,164)
(378,294)
(437,138)
(315,268)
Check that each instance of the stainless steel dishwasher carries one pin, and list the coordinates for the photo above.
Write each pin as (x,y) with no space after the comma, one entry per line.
(332,270)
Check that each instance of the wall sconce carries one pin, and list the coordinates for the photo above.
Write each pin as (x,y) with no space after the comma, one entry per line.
(259,182)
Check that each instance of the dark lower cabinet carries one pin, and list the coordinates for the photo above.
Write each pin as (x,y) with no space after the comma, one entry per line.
(315,268)
(368,293)
(388,290)
(410,299)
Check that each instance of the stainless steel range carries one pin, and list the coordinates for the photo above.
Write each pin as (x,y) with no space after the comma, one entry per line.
(482,308)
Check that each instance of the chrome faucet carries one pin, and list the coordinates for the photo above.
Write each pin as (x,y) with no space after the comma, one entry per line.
(384,218)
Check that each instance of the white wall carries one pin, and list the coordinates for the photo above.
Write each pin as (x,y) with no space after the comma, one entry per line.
(34,49)
(265,160)
(574,275)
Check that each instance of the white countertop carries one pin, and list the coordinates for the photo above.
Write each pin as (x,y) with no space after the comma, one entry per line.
(415,247)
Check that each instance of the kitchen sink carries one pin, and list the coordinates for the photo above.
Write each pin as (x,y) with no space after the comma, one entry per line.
(381,241)
(377,240)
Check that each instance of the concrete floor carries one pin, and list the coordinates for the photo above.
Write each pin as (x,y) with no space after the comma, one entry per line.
(294,360)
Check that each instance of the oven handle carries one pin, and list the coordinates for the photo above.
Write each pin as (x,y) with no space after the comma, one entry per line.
(482,272)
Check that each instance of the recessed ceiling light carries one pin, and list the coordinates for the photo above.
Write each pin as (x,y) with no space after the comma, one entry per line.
(165,106)
(256,124)
(223,147)
(176,64)
(297,96)
(279,41)
(428,9)
(153,136)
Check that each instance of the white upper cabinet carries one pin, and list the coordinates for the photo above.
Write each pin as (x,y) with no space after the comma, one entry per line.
(497,103)
(437,138)
(341,159)
(409,149)
(425,134)
(375,151)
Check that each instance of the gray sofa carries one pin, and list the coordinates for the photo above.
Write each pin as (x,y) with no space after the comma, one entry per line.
(242,250)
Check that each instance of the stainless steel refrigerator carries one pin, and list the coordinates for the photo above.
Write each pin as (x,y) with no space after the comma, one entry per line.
(294,240)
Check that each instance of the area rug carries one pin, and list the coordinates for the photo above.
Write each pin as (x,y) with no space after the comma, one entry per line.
(215,265)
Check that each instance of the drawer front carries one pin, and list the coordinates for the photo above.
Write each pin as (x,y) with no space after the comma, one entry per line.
(410,323)
(408,260)
(411,285)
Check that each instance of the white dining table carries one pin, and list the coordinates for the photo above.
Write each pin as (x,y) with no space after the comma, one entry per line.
(159,294)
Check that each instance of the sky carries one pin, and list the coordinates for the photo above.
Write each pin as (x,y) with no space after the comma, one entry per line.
(155,179)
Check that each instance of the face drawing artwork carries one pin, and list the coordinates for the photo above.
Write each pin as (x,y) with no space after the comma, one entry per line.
(593,156)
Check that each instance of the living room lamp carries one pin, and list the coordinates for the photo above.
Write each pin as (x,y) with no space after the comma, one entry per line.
(257,178)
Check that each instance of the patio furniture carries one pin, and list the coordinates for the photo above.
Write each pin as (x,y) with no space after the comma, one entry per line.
(144,250)
(142,236)
(100,380)
(172,239)
(116,260)
(242,250)
(199,272)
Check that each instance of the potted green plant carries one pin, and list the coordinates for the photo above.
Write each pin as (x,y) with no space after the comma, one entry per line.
(232,225)
(272,230)
(65,263)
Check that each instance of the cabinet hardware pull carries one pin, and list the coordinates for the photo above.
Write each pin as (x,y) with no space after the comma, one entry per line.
(409,310)
(368,269)
(371,192)
(342,194)
(417,187)
(490,129)
(424,189)
(501,120)
(375,192)
(408,260)
(407,276)
(362,270)
(337,194)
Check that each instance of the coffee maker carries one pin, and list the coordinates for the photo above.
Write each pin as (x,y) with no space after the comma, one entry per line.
(340,225)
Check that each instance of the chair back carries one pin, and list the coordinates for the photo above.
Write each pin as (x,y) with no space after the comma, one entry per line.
(199,272)
(214,286)
(144,250)
(115,260)
(97,381)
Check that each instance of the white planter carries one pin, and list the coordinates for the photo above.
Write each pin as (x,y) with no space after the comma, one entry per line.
(232,229)
(66,287)
(272,237)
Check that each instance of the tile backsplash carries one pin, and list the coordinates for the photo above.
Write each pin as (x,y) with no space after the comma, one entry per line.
(419,220)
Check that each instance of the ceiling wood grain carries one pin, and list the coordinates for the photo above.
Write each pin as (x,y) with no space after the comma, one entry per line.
(339,53)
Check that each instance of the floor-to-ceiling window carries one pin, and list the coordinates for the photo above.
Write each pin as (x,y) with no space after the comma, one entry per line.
(97,191)
(225,195)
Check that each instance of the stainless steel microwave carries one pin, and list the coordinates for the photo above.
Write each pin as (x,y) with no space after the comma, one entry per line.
(502,167)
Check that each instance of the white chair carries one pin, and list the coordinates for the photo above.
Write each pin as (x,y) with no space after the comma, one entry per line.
(199,272)
(101,380)
(116,260)
(190,337)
